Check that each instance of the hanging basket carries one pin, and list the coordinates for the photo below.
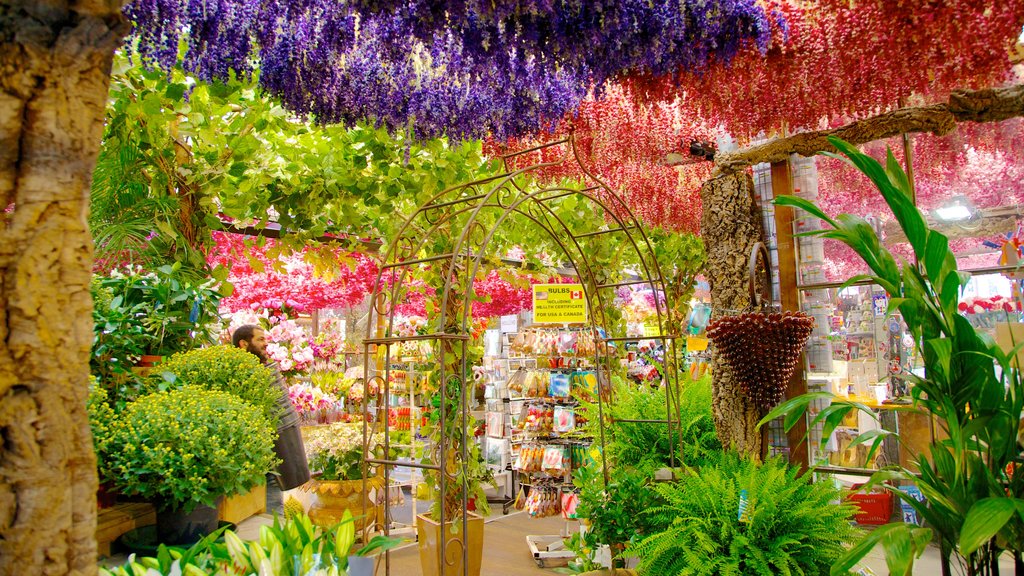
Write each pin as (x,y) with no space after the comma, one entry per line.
(762,347)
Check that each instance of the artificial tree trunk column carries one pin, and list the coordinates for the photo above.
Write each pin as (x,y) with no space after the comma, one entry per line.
(730,226)
(55,60)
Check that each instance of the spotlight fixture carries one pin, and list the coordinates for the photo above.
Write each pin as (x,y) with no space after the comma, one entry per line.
(705,150)
(958,209)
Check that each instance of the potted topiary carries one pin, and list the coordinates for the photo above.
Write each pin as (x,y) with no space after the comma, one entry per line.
(185,449)
(335,453)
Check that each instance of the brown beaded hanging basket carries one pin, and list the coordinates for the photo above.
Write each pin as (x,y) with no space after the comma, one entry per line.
(761,346)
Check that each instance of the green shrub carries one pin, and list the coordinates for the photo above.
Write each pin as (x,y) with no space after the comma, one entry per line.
(188,447)
(795,525)
(223,368)
(617,513)
(101,419)
(646,445)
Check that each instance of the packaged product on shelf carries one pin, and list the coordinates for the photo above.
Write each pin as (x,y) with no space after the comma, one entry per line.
(495,424)
(565,419)
(517,381)
(570,500)
(558,385)
(554,459)
(585,383)
(543,502)
(498,452)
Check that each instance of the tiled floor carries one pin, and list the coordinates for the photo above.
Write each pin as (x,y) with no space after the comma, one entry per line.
(506,552)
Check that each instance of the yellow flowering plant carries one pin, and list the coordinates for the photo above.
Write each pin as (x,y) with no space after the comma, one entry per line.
(101,418)
(187,447)
(223,368)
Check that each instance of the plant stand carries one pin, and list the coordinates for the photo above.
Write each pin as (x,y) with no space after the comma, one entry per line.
(549,551)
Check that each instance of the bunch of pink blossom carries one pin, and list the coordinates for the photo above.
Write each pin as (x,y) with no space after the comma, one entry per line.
(288,344)
(409,325)
(312,403)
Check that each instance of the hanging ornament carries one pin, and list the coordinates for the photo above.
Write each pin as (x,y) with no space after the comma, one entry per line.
(762,348)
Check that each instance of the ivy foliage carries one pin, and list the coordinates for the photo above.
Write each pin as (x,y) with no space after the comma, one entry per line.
(180,157)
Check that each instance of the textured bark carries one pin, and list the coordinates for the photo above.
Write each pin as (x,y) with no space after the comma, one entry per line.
(989,105)
(730,226)
(55,62)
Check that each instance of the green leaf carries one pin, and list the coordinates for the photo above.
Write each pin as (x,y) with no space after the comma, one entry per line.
(985,518)
(175,91)
(805,205)
(935,256)
(858,551)
(152,104)
(874,436)
(899,551)
(799,403)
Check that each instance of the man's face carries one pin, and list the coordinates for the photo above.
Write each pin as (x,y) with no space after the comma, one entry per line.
(258,346)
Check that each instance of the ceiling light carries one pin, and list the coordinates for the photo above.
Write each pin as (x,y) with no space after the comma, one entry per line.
(958,209)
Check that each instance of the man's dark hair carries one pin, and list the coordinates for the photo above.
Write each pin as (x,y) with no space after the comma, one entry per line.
(244,332)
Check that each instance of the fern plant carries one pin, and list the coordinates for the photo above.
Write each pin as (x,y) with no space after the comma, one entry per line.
(645,445)
(792,525)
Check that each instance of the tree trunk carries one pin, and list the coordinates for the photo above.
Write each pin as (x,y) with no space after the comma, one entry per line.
(730,227)
(54,76)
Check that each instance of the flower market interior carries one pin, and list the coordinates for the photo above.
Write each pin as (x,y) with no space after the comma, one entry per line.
(464,288)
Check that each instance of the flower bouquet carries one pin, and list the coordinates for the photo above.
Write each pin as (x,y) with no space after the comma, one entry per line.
(313,404)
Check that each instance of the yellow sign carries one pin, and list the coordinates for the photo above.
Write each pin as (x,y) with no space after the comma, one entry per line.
(651,329)
(559,304)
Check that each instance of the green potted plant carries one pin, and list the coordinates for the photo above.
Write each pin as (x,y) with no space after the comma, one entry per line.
(241,373)
(463,479)
(223,368)
(335,454)
(101,417)
(971,477)
(141,316)
(739,516)
(184,450)
(295,547)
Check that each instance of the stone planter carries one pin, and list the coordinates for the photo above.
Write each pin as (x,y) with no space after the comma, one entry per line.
(334,497)
(430,534)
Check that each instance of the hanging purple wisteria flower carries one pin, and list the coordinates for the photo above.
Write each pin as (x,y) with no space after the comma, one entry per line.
(461,68)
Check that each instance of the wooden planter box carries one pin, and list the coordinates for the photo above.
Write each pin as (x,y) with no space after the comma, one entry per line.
(114,521)
(241,506)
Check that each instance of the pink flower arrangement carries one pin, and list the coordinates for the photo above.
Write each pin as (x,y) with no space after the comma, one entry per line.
(312,403)
(288,344)
(264,280)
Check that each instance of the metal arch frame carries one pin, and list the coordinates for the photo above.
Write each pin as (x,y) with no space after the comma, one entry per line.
(467,201)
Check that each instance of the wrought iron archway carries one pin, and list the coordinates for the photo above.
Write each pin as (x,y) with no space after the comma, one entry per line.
(456,210)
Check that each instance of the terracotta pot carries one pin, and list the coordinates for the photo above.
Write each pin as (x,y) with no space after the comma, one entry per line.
(430,533)
(148,361)
(174,527)
(333,497)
